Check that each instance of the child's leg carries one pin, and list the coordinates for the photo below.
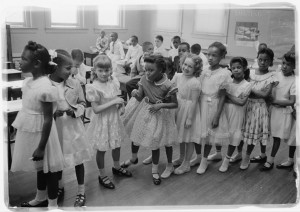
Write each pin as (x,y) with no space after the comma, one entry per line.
(103,179)
(238,156)
(262,158)
(155,160)
(185,166)
(224,166)
(197,159)
(52,187)
(79,169)
(169,168)
(246,159)
(117,169)
(134,158)
(275,147)
(263,150)
(61,190)
(290,162)
(179,160)
(41,194)
(217,155)
(203,165)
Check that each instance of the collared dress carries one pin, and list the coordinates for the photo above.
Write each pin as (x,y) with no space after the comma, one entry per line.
(29,124)
(71,132)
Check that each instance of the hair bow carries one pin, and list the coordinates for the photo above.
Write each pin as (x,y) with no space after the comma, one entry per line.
(53,54)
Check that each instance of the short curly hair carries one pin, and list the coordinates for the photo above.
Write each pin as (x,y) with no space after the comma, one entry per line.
(158,60)
(198,64)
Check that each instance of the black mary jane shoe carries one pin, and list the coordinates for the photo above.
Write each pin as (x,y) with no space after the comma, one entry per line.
(156,181)
(121,172)
(126,164)
(42,204)
(281,166)
(103,182)
(267,168)
(258,159)
(80,200)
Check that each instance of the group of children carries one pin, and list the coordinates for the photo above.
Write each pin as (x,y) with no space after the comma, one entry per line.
(195,106)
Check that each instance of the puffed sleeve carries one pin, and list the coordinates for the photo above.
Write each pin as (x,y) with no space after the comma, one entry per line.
(48,94)
(174,79)
(91,93)
(247,89)
(273,79)
(116,85)
(195,85)
(224,79)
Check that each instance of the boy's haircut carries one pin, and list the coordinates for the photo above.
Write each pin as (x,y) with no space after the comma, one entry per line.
(135,37)
(196,49)
(62,56)
(290,57)
(77,54)
(159,37)
(176,37)
(220,46)
(39,52)
(158,60)
(145,45)
(244,64)
(187,45)
(263,44)
(197,63)
(116,34)
(268,52)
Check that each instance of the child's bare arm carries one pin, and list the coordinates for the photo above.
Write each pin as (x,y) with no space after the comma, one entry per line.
(290,102)
(195,96)
(100,108)
(237,100)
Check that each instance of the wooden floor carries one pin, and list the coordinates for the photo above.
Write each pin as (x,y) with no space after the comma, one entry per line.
(235,187)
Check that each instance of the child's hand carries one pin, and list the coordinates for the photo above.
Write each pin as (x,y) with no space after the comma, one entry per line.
(134,93)
(70,112)
(118,101)
(122,110)
(188,123)
(59,113)
(215,122)
(155,108)
(38,154)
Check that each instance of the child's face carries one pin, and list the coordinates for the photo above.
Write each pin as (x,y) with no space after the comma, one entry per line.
(149,50)
(133,42)
(287,68)
(237,70)
(214,56)
(103,74)
(64,70)
(263,61)
(157,42)
(176,43)
(113,37)
(188,67)
(26,63)
(152,72)
(182,49)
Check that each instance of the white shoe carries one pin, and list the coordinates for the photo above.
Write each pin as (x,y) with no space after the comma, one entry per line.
(245,164)
(148,160)
(182,169)
(214,157)
(224,166)
(195,161)
(167,173)
(177,162)
(236,158)
(202,167)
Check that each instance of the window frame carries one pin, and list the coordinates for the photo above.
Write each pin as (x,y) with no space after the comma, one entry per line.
(27,23)
(121,24)
(179,23)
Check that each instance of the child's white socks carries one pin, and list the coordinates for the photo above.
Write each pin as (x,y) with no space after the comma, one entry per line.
(52,203)
(81,189)
(41,195)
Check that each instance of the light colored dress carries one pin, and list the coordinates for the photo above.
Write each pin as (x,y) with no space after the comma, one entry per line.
(71,132)
(281,117)
(106,130)
(186,86)
(256,126)
(29,123)
(152,130)
(234,114)
(212,82)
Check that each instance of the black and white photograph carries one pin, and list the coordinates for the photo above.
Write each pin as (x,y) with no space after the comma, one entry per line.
(149,105)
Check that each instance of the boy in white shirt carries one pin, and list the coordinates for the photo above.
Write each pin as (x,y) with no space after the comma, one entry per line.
(173,52)
(79,69)
(158,48)
(102,43)
(116,51)
(196,49)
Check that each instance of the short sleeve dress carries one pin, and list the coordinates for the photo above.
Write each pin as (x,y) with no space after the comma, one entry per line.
(29,124)
(211,83)
(106,130)
(186,86)
(153,130)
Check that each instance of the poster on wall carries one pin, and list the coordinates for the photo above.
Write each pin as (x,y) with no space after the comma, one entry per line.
(246,33)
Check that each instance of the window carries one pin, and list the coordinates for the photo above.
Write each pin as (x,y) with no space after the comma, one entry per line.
(168,18)
(211,21)
(18,17)
(65,17)
(110,16)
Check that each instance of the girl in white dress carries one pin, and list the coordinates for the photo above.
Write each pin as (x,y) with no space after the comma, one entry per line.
(211,102)
(70,128)
(283,98)
(188,112)
(37,146)
(233,113)
(106,130)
